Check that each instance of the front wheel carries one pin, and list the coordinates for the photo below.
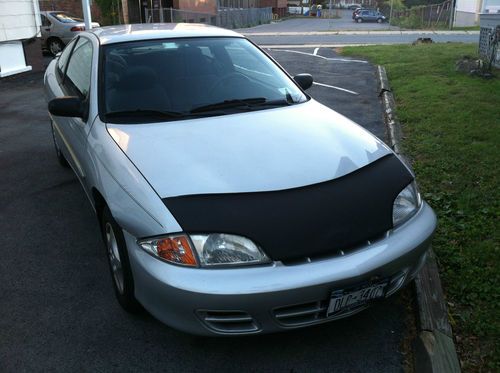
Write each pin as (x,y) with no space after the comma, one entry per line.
(359,20)
(119,265)
(380,20)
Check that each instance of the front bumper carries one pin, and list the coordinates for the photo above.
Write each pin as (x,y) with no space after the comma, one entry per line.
(274,297)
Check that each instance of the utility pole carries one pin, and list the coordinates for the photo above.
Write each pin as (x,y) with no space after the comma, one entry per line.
(87,17)
(452,13)
(390,13)
(125,11)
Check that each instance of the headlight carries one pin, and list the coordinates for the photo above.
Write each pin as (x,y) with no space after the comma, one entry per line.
(226,249)
(406,204)
(212,250)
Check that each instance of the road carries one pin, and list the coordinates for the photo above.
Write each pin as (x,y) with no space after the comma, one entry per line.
(320,24)
(57,308)
(344,31)
(353,38)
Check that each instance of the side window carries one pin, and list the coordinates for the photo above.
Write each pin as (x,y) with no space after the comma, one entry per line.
(365,13)
(63,58)
(45,21)
(80,67)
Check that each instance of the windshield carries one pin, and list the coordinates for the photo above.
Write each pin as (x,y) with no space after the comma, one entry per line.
(66,18)
(158,80)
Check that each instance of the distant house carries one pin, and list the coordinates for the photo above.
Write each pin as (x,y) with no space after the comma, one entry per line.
(467,11)
(20,48)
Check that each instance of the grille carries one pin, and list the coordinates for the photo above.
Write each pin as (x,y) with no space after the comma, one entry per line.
(301,314)
(228,321)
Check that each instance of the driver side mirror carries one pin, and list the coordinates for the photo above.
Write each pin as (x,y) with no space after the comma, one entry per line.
(305,81)
(68,106)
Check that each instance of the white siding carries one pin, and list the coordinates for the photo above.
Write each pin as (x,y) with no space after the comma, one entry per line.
(469,6)
(490,3)
(19,19)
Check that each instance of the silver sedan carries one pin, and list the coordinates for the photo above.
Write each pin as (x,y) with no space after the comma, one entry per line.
(58,28)
(229,201)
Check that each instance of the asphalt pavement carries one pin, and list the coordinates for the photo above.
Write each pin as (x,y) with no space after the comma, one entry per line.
(57,308)
(358,38)
(344,31)
(303,24)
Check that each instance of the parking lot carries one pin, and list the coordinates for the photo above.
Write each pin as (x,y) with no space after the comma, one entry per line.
(308,24)
(57,307)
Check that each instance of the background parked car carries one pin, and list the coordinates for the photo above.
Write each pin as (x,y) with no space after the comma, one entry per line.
(368,15)
(58,28)
(357,10)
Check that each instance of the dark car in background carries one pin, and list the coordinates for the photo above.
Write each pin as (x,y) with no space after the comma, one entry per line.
(368,15)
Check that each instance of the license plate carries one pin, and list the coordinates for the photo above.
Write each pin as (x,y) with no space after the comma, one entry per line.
(342,300)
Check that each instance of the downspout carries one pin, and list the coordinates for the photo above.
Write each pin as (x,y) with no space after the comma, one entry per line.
(36,14)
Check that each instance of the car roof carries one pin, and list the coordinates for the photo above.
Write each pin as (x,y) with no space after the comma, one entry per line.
(148,31)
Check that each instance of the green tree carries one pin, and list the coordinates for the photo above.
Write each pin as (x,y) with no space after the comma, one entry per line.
(108,11)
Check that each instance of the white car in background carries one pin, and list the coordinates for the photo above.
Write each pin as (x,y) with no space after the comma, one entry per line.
(58,28)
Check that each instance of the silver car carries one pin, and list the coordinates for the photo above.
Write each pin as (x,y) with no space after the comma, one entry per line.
(58,28)
(230,202)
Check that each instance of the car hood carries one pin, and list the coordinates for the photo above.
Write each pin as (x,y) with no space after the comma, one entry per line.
(259,151)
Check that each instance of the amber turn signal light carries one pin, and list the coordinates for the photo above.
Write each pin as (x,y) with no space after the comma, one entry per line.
(176,249)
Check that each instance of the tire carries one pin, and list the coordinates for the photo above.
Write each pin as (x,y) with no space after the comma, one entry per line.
(60,156)
(359,20)
(119,264)
(55,45)
(380,20)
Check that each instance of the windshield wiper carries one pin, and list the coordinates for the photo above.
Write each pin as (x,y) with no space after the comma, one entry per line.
(146,113)
(246,103)
(228,104)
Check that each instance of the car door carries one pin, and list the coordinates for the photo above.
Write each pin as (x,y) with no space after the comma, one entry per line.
(76,81)
(365,14)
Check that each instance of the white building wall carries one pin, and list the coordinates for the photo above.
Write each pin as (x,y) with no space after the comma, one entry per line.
(490,4)
(19,19)
(467,11)
(469,6)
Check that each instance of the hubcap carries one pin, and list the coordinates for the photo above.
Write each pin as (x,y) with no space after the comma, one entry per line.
(114,258)
(54,47)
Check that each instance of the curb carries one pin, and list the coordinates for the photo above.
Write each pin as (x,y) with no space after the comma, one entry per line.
(434,350)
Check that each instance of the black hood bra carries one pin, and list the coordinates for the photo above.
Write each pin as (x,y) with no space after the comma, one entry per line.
(318,219)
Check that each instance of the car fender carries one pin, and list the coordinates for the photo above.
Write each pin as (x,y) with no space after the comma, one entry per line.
(132,201)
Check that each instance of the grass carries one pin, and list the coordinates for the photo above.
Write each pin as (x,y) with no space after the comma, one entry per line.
(451,123)
(466,28)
